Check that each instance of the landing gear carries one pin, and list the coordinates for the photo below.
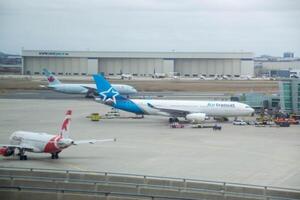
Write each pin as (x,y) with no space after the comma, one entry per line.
(90,94)
(23,157)
(173,119)
(21,154)
(55,155)
(221,119)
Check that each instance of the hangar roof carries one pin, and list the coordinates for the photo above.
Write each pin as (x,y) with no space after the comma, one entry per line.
(137,54)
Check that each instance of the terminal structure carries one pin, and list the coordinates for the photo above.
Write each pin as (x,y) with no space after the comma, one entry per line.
(290,96)
(188,64)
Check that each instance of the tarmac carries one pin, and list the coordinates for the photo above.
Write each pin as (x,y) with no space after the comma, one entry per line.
(249,155)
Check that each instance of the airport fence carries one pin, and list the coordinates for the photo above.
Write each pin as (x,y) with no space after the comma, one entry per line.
(154,182)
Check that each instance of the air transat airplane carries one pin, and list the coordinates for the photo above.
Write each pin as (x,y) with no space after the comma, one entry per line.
(194,111)
(43,142)
(78,88)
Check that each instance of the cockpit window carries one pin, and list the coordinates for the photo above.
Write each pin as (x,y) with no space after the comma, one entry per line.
(247,106)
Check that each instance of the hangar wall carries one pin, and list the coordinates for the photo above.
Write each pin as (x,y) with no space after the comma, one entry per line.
(247,67)
(208,67)
(59,66)
(189,64)
(135,66)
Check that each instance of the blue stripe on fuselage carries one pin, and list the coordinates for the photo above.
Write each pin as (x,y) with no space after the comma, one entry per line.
(128,106)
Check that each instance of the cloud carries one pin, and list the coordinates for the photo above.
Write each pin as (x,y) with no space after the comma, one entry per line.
(151,25)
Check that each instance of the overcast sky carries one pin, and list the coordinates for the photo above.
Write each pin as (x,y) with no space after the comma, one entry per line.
(259,26)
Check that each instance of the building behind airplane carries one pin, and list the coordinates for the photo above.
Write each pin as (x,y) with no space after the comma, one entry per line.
(195,111)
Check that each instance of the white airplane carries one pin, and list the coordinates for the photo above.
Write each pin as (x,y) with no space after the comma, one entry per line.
(244,77)
(126,76)
(225,77)
(215,77)
(159,75)
(78,88)
(195,111)
(43,142)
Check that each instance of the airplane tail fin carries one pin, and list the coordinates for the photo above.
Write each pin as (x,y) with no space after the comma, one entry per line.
(106,92)
(64,131)
(52,80)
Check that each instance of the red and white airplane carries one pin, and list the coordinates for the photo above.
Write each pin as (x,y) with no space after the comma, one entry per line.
(43,142)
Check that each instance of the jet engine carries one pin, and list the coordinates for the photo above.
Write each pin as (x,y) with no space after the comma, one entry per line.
(196,117)
(6,151)
(65,142)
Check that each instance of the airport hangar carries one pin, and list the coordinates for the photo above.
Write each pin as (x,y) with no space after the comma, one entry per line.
(188,64)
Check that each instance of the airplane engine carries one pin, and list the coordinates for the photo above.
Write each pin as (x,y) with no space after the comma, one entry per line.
(6,151)
(196,117)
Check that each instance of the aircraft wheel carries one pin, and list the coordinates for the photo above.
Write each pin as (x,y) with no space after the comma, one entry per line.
(52,156)
(173,119)
(56,156)
(23,157)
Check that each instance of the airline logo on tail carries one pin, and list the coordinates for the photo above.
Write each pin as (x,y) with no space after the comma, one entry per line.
(106,92)
(66,124)
(109,96)
(50,79)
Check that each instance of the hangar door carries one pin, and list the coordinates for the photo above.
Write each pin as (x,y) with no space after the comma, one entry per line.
(168,66)
(92,66)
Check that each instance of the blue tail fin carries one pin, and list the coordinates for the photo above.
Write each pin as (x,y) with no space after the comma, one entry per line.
(52,80)
(106,92)
(112,97)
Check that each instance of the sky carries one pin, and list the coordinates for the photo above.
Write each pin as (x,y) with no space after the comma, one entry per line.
(259,26)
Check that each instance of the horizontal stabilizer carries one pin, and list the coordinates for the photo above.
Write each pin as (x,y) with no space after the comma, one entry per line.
(93,141)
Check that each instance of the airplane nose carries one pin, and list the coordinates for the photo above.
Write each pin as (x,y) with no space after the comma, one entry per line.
(252,111)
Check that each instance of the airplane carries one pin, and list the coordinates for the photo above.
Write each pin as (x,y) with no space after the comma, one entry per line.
(78,88)
(126,76)
(215,77)
(158,75)
(192,110)
(43,142)
(225,77)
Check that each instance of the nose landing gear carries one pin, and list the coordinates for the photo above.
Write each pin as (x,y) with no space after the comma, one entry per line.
(23,157)
(173,119)
(21,154)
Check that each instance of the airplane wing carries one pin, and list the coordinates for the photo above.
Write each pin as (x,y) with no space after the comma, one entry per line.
(23,146)
(47,86)
(93,141)
(89,88)
(172,112)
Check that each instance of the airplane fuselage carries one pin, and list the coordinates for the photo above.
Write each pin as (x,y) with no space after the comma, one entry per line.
(40,142)
(74,88)
(210,108)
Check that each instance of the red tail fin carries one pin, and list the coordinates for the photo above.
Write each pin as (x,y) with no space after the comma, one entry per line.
(66,125)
